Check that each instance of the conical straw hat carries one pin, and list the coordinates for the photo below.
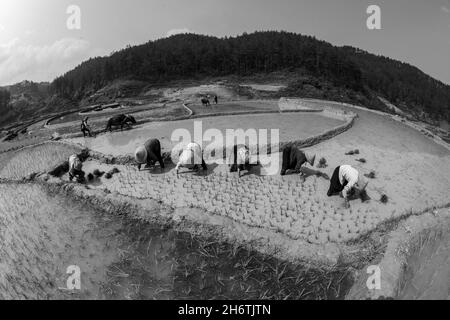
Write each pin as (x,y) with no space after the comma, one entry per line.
(311,158)
(141,155)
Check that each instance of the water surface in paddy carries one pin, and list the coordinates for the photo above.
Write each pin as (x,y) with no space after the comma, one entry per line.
(291,126)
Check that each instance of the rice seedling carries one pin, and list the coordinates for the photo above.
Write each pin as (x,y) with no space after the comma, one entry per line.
(352,152)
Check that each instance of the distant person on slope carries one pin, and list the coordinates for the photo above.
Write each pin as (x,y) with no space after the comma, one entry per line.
(216,100)
(76,169)
(85,127)
(347,181)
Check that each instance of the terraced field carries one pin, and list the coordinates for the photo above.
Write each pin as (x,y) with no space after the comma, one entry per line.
(408,167)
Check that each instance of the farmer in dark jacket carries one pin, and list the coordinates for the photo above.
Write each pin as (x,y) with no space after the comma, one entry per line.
(294,158)
(148,153)
(85,127)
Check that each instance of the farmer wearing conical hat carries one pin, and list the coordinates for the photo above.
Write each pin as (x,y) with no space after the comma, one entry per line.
(148,153)
(347,181)
(294,158)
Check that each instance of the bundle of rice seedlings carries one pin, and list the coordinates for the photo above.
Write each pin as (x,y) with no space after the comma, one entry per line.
(98,173)
(364,196)
(322,163)
(114,170)
(352,152)
(384,199)
(371,175)
(111,173)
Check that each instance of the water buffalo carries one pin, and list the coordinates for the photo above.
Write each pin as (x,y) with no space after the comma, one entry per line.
(240,159)
(191,157)
(294,158)
(149,153)
(205,102)
(120,120)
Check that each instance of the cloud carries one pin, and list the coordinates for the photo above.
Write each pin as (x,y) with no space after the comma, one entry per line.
(20,61)
(177,31)
(445,9)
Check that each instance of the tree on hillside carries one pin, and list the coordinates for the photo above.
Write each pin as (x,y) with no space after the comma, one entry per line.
(192,56)
(5,97)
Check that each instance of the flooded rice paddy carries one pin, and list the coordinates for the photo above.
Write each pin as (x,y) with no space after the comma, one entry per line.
(44,232)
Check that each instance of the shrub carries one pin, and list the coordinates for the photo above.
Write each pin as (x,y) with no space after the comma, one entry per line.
(384,198)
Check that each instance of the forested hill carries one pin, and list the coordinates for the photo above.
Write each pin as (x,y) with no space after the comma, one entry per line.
(192,56)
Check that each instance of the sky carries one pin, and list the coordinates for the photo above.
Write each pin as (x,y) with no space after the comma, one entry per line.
(37,45)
